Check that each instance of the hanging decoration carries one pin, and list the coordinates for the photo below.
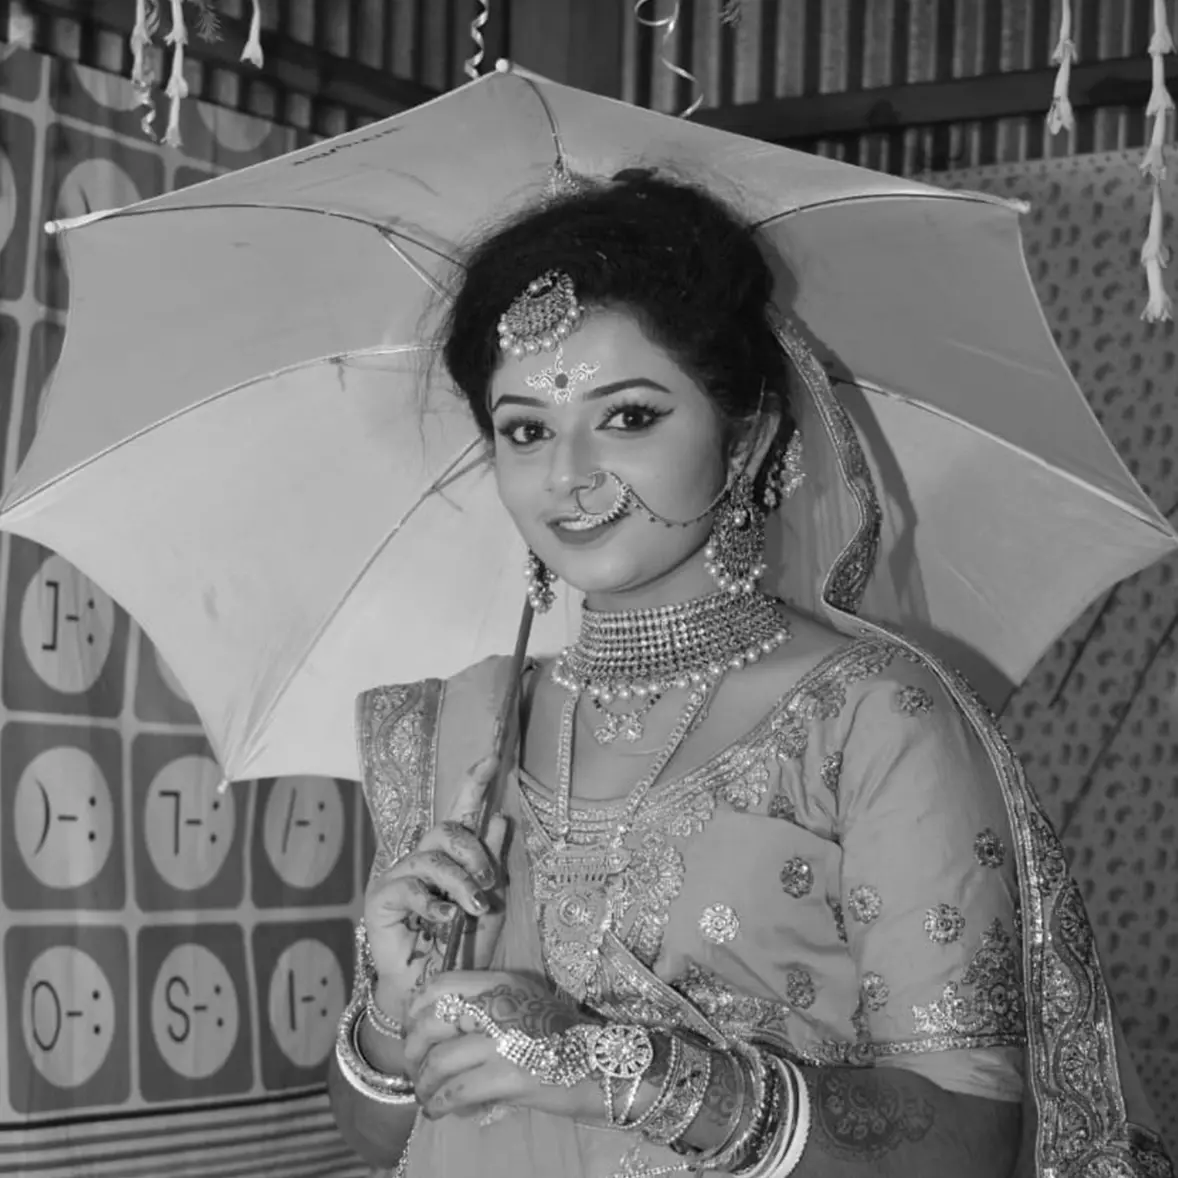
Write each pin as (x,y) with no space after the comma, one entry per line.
(669,24)
(208,28)
(1154,254)
(1060,116)
(472,63)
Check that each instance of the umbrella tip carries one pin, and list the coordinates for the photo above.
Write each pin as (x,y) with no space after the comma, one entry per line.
(503,66)
(223,786)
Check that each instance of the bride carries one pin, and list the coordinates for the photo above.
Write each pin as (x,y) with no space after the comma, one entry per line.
(769,894)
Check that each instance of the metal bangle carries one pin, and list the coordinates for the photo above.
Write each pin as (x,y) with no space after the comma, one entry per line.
(359,1073)
(664,1091)
(755,1076)
(687,1092)
(801,1118)
(768,1145)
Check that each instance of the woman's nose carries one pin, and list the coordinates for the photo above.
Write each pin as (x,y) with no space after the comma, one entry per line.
(571,467)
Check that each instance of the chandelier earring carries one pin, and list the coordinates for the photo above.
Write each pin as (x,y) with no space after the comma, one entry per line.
(734,555)
(540,580)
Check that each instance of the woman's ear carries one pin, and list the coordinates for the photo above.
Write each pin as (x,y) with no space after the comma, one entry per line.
(753,444)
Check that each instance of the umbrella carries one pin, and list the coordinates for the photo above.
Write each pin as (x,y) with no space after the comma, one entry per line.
(246,442)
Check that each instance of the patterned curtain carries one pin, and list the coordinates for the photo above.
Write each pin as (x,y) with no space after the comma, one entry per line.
(174,960)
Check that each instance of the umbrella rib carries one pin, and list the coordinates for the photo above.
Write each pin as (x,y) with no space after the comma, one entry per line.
(384,230)
(557,143)
(980,198)
(1038,459)
(337,358)
(455,470)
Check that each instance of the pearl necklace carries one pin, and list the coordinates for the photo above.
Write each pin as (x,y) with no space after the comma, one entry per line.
(632,654)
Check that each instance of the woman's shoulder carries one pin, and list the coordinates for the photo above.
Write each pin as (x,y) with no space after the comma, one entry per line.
(486,673)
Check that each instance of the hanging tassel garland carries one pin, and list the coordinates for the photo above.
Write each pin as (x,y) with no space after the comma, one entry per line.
(1154,254)
(669,24)
(253,46)
(1060,115)
(143,79)
(177,87)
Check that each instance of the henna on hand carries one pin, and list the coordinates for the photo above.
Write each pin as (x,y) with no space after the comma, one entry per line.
(516,1007)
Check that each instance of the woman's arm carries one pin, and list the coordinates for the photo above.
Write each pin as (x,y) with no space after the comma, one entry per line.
(377,1132)
(878,1123)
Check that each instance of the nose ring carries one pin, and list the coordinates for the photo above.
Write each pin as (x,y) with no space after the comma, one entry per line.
(586,519)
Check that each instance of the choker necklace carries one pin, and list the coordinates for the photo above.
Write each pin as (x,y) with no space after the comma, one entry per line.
(636,653)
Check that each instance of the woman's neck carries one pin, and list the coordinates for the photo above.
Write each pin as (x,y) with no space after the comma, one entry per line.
(687,582)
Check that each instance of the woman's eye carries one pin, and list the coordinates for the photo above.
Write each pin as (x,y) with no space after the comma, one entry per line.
(628,418)
(524,433)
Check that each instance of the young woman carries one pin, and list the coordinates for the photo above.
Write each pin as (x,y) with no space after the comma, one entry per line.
(769,894)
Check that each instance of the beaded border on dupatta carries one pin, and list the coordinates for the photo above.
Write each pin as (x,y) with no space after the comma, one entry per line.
(1082,1124)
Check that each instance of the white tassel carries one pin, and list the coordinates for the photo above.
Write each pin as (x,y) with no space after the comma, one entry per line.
(1155,257)
(1154,254)
(142,75)
(253,47)
(177,88)
(1060,115)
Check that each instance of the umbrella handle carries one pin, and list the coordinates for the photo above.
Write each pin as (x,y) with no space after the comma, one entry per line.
(506,736)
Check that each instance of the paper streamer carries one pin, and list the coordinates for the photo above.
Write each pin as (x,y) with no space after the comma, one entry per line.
(472,63)
(669,24)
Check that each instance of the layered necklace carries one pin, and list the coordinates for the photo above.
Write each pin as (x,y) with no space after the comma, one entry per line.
(631,657)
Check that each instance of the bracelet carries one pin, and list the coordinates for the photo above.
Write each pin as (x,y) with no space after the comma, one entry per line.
(767,1144)
(780,1149)
(687,1088)
(801,1117)
(664,1091)
(380,1021)
(359,1073)
(754,1076)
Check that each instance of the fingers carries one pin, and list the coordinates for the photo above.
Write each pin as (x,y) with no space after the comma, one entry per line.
(408,894)
(444,875)
(472,790)
(493,1083)
(448,1061)
(463,846)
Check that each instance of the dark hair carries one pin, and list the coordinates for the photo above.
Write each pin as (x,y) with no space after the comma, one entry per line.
(669,252)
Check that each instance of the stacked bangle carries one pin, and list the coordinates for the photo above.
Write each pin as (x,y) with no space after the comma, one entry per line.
(381,1022)
(682,1095)
(358,1072)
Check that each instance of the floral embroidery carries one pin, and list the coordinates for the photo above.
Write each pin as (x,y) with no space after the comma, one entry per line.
(864,903)
(397,725)
(943,924)
(797,877)
(799,989)
(988,849)
(874,990)
(912,701)
(719,923)
(782,806)
(735,1014)
(750,778)
(995,1007)
(832,768)
(789,738)
(840,923)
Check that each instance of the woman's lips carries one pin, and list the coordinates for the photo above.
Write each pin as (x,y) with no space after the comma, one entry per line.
(579,536)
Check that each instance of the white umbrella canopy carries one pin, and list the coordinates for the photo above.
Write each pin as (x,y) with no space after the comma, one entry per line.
(245,438)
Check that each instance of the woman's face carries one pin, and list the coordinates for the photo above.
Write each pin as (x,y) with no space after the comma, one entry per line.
(634,412)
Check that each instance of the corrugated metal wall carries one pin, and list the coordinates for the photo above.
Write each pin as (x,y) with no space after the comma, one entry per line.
(778,48)
(785,48)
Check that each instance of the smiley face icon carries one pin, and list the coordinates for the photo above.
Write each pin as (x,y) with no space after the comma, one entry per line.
(188,825)
(63,817)
(68,1015)
(303,829)
(66,626)
(195,1014)
(306,999)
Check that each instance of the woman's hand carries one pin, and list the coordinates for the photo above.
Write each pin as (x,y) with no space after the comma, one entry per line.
(408,908)
(457,1070)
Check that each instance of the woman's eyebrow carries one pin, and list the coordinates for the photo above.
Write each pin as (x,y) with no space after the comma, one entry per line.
(594,394)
